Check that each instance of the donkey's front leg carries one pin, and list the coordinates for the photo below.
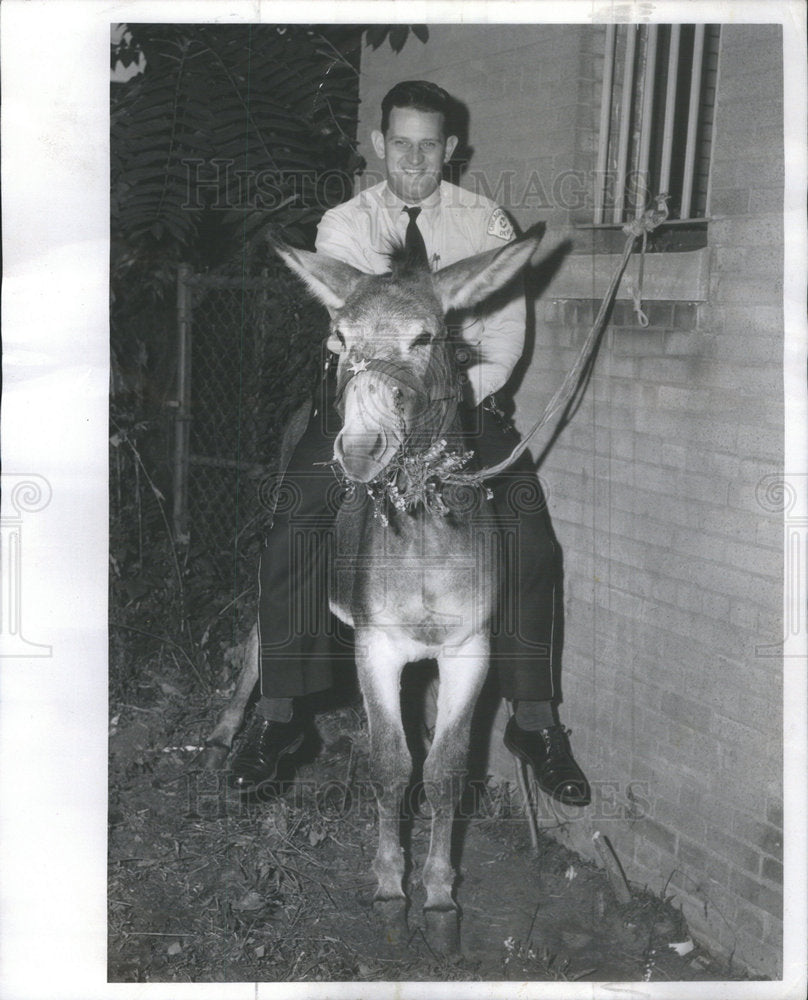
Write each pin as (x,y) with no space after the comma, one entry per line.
(379,666)
(462,673)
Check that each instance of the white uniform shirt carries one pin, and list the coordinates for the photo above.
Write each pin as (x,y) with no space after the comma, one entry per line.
(455,224)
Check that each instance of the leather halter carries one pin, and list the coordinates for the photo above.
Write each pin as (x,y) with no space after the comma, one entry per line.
(401,375)
(393,370)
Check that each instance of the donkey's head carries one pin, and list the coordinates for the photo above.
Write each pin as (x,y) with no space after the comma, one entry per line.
(395,379)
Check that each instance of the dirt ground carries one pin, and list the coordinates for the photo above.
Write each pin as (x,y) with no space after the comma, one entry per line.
(205,888)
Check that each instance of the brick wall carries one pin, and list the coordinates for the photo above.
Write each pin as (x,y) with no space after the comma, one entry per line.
(520,83)
(672,551)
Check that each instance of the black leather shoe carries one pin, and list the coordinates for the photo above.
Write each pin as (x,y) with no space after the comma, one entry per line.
(548,752)
(259,753)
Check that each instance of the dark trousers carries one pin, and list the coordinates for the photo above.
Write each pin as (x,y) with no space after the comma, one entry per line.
(300,638)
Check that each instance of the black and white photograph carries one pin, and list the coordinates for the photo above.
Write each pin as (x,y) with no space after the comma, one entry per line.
(404,500)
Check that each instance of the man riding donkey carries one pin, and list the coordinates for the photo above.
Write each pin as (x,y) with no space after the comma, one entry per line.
(415,206)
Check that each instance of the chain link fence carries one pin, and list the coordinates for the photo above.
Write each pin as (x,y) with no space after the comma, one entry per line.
(248,354)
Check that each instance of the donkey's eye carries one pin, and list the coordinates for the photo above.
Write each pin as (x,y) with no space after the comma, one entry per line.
(422,339)
(339,336)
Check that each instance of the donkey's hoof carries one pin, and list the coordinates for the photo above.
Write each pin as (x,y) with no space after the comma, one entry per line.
(443,931)
(392,915)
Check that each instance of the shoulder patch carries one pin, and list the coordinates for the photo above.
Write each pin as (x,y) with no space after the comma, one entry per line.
(499,225)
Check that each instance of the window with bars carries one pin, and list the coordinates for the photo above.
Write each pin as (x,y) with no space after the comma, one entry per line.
(656,121)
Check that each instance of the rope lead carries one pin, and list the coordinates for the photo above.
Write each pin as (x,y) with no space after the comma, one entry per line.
(641,226)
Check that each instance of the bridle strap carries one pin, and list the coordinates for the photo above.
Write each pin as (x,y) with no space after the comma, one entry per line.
(398,374)
(390,369)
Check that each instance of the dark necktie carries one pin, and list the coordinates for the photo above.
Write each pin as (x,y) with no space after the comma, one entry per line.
(413,240)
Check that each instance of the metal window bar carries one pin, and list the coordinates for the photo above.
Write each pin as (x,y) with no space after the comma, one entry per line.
(692,120)
(625,123)
(709,83)
(670,109)
(671,63)
(642,181)
(605,120)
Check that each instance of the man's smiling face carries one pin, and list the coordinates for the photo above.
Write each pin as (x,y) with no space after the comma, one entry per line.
(414,150)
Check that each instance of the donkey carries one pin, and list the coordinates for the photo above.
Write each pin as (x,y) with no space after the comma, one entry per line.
(413,581)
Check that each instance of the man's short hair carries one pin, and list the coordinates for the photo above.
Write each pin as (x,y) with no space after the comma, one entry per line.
(420,95)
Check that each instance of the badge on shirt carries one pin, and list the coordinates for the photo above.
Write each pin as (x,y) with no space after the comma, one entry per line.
(499,225)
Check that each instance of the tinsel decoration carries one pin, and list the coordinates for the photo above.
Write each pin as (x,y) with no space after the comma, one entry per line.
(411,479)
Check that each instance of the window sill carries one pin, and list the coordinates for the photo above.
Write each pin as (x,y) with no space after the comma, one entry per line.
(676,277)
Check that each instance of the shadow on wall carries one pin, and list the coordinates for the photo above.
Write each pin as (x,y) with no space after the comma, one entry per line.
(458,124)
(536,280)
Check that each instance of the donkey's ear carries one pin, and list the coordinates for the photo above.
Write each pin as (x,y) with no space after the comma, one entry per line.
(330,280)
(469,281)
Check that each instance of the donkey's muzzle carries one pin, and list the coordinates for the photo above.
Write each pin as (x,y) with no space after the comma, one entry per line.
(363,455)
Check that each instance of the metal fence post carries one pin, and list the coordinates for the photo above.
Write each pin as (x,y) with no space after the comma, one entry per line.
(182,418)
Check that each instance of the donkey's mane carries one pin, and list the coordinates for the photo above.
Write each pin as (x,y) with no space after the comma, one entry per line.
(403,260)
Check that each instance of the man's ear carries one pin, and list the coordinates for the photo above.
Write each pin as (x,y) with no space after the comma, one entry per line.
(377,139)
(451,146)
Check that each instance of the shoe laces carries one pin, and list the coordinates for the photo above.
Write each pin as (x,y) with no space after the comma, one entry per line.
(251,741)
(555,739)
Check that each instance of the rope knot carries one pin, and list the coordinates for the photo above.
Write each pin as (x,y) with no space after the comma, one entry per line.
(651,218)
(649,221)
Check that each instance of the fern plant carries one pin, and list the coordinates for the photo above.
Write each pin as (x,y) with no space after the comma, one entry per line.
(225,131)
(222,131)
